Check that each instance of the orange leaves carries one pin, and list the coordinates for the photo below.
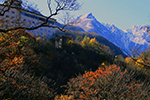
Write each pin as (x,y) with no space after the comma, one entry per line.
(2,38)
(101,71)
(90,79)
(128,59)
(130,87)
(92,84)
(108,82)
(16,71)
(97,82)
(8,49)
(15,59)
(20,86)
(137,85)
(18,60)
(96,91)
(84,81)
(121,73)
(13,63)
(81,96)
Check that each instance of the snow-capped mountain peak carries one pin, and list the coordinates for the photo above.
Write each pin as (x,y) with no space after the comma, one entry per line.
(87,16)
(134,37)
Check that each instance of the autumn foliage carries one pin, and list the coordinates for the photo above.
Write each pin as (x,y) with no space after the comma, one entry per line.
(17,57)
(108,83)
(32,68)
(141,62)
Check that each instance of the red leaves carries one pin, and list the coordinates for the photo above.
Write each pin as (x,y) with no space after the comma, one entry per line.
(90,78)
(108,80)
(100,72)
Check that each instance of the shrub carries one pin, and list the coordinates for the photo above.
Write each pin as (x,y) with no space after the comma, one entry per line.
(19,65)
(24,87)
(108,83)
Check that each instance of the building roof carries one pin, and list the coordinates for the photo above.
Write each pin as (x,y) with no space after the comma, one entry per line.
(29,9)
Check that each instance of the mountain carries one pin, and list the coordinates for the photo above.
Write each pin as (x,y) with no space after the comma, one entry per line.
(103,41)
(132,40)
(80,31)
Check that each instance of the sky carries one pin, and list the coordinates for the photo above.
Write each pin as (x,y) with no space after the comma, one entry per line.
(122,13)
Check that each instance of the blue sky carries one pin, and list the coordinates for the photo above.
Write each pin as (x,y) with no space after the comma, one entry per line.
(121,13)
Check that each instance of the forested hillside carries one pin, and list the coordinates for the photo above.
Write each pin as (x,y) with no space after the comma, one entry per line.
(80,68)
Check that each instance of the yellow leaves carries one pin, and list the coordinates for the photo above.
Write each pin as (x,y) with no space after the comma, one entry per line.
(103,64)
(63,97)
(138,63)
(142,61)
(87,41)
(93,41)
(70,42)
(87,38)
(9,31)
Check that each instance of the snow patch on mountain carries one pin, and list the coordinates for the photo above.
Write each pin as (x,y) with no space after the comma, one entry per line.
(139,32)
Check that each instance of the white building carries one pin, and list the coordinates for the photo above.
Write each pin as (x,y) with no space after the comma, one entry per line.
(19,16)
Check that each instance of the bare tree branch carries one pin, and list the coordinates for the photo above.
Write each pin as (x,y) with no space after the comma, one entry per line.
(32,28)
(136,60)
(67,18)
(49,6)
(6,7)
(61,5)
